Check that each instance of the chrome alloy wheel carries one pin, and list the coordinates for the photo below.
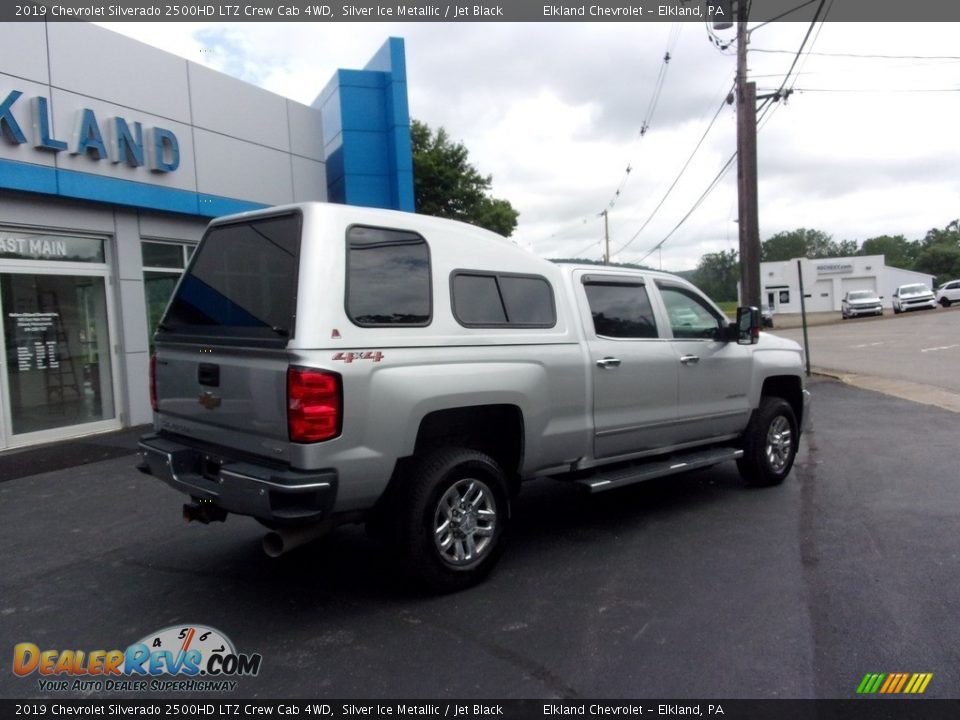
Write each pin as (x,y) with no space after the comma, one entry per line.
(465,522)
(779,443)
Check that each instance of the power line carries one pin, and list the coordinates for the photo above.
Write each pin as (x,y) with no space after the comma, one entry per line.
(877,90)
(672,40)
(675,180)
(767,113)
(796,57)
(726,167)
(710,188)
(864,56)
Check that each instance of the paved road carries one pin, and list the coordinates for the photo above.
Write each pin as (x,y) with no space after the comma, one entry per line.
(687,587)
(919,346)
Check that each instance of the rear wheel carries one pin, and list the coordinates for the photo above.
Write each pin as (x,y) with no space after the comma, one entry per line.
(452,518)
(769,443)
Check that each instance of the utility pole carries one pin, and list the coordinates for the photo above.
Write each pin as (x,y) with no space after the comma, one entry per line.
(749,224)
(606,237)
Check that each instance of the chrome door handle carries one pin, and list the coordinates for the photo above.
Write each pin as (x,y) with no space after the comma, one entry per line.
(690,359)
(609,362)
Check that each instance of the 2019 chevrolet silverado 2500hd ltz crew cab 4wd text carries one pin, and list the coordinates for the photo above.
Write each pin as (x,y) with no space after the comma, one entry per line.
(321,364)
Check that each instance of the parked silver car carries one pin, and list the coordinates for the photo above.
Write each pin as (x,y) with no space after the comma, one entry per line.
(860,302)
(949,293)
(915,296)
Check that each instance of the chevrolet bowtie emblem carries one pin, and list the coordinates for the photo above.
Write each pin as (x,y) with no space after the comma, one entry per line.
(209,400)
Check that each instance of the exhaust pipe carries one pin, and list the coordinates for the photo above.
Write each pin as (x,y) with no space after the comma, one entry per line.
(203,511)
(283,540)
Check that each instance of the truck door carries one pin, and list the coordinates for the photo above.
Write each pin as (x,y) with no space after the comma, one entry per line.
(634,369)
(714,379)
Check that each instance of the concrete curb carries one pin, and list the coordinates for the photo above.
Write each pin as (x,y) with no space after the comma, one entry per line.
(903,389)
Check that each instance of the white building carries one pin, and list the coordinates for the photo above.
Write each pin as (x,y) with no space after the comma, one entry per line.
(825,281)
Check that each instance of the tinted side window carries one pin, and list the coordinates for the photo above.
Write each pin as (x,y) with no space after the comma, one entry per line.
(689,316)
(621,310)
(476,300)
(496,299)
(388,277)
(529,300)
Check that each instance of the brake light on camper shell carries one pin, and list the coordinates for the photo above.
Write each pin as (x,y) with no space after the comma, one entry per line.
(314,405)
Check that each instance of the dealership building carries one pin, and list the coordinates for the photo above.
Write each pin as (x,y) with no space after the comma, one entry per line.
(113,157)
(826,281)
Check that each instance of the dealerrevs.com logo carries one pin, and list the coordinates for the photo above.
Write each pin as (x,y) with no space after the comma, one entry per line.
(179,658)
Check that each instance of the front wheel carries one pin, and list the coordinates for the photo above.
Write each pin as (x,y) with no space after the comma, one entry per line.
(769,443)
(452,518)
(945,302)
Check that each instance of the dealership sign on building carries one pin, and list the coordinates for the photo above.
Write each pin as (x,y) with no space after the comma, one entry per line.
(113,139)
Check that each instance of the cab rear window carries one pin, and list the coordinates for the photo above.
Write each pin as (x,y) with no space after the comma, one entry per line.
(241,283)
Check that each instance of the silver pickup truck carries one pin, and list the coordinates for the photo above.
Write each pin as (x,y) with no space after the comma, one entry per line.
(321,364)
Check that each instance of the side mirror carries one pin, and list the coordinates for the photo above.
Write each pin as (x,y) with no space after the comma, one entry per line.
(748,325)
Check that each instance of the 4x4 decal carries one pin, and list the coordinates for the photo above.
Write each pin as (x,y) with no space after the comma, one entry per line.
(349,357)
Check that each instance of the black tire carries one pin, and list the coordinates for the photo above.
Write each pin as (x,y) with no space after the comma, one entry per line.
(945,302)
(451,516)
(769,443)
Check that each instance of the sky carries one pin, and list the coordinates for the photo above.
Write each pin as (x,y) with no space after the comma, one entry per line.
(864,146)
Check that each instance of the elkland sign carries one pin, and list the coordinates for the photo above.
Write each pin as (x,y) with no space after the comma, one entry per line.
(115,140)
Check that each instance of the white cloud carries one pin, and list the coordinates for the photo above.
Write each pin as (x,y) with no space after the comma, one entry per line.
(553,112)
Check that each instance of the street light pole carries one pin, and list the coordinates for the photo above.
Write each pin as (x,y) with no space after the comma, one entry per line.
(749,224)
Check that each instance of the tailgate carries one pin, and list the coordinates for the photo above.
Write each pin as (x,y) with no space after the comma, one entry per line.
(231,397)
(221,361)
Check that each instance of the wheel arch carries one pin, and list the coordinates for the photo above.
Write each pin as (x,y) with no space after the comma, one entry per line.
(496,430)
(788,387)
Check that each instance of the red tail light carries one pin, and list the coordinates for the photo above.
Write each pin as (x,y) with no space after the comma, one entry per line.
(153,382)
(314,405)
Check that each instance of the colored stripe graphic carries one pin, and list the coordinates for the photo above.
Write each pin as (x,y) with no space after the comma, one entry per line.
(894,683)
(870,683)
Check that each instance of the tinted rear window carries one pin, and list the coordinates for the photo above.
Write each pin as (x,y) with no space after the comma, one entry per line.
(242,283)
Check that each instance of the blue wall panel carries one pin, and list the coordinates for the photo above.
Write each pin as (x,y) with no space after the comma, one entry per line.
(85,186)
(369,159)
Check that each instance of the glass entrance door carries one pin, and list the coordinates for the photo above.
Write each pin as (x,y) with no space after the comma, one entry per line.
(57,354)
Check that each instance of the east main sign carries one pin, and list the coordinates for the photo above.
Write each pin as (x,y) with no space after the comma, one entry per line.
(116,140)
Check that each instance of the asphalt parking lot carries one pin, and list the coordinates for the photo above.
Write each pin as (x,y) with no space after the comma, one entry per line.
(913,356)
(689,587)
(920,346)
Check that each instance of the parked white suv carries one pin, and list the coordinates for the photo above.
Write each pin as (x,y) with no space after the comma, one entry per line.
(949,293)
(915,296)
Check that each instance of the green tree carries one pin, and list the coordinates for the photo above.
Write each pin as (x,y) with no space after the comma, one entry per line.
(941,260)
(950,235)
(846,248)
(804,243)
(445,184)
(896,249)
(717,275)
(939,254)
